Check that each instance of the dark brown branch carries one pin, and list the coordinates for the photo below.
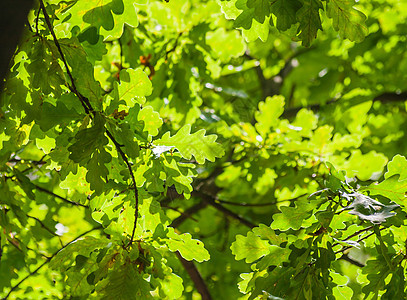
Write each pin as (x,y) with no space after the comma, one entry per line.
(185,214)
(345,257)
(48,259)
(195,276)
(354,234)
(174,47)
(244,204)
(189,212)
(210,200)
(189,266)
(383,98)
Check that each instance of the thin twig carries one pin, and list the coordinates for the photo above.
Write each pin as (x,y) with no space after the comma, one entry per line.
(84,101)
(59,197)
(174,47)
(348,247)
(126,161)
(244,204)
(345,257)
(210,200)
(90,111)
(353,235)
(36,20)
(190,211)
(180,212)
(43,225)
(48,259)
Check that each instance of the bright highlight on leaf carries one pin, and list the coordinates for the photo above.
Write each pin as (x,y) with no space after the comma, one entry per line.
(197,144)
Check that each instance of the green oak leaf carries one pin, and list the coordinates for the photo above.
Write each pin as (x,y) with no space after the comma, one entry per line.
(197,144)
(125,283)
(65,258)
(268,115)
(285,12)
(310,21)
(171,286)
(234,47)
(265,232)
(152,120)
(87,140)
(391,188)
(276,257)
(364,166)
(25,183)
(348,21)
(398,165)
(293,217)
(134,86)
(77,275)
(189,248)
(377,270)
(261,9)
(107,17)
(395,288)
(250,247)
(97,171)
(126,137)
(52,115)
(251,28)
(81,70)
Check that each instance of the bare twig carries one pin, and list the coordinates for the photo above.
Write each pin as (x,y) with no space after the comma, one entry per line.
(345,257)
(383,98)
(244,204)
(57,196)
(210,200)
(354,234)
(43,225)
(190,211)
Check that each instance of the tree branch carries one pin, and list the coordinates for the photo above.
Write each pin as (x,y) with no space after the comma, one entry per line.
(187,214)
(90,111)
(383,98)
(48,259)
(57,196)
(42,225)
(345,257)
(210,200)
(244,204)
(195,276)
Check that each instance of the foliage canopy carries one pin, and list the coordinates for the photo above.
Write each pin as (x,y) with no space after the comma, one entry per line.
(229,149)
